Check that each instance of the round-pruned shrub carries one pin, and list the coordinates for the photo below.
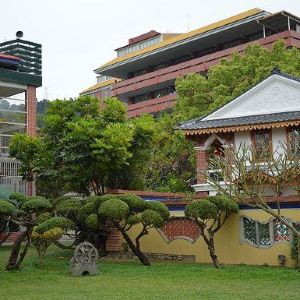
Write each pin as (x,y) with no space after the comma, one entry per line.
(36,204)
(202,209)
(86,210)
(134,202)
(152,218)
(55,202)
(224,204)
(114,209)
(160,208)
(42,241)
(92,221)
(91,199)
(43,217)
(99,200)
(60,222)
(134,219)
(18,197)
(6,208)
(70,206)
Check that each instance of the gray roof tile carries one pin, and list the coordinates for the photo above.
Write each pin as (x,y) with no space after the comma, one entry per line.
(247,120)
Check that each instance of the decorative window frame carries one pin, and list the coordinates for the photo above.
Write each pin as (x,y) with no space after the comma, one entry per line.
(288,131)
(186,238)
(254,142)
(244,240)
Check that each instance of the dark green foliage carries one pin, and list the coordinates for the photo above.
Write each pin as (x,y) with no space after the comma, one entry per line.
(170,159)
(198,95)
(114,209)
(98,200)
(34,211)
(60,222)
(86,210)
(134,219)
(6,208)
(91,199)
(18,197)
(152,218)
(81,145)
(92,221)
(160,208)
(202,209)
(135,203)
(210,214)
(294,249)
(70,206)
(127,210)
(114,111)
(24,148)
(59,200)
(36,204)
(224,204)
(43,217)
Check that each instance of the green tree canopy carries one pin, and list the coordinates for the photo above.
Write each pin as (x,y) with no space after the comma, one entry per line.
(124,211)
(28,212)
(210,215)
(82,144)
(198,95)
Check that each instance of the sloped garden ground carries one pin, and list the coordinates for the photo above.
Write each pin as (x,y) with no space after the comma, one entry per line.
(130,280)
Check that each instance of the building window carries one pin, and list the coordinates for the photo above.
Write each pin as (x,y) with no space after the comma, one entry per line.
(106,92)
(294,140)
(281,231)
(264,234)
(262,144)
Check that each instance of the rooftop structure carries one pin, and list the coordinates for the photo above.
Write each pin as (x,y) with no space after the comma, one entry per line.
(20,76)
(266,117)
(147,74)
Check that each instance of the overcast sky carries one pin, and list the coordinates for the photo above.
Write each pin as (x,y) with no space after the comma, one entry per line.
(79,35)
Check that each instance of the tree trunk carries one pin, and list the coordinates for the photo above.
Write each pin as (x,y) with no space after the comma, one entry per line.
(214,257)
(298,254)
(136,250)
(16,248)
(211,248)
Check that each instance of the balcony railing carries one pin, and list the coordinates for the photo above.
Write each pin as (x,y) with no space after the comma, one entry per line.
(30,55)
(151,106)
(201,64)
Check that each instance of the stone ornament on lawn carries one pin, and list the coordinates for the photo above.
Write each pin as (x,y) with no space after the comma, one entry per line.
(84,260)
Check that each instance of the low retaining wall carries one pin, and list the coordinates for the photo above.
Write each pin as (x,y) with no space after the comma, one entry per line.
(152,256)
(12,237)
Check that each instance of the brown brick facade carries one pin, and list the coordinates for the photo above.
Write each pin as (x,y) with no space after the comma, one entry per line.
(31,125)
(114,241)
(12,237)
(180,228)
(201,156)
(31,110)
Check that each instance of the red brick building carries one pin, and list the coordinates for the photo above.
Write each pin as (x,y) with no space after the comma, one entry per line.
(143,74)
(20,76)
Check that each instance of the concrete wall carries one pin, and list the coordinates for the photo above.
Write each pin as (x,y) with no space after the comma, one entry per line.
(229,247)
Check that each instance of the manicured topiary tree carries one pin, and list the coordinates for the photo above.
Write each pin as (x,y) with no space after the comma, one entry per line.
(26,212)
(77,210)
(210,215)
(7,209)
(42,241)
(123,212)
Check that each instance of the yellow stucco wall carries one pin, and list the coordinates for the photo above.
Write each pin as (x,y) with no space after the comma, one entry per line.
(229,248)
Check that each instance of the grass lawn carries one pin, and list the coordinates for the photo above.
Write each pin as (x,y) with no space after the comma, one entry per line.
(130,280)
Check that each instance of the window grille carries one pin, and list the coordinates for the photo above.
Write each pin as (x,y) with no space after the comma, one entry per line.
(264,234)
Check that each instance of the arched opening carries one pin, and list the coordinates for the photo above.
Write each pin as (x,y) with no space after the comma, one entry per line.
(216,149)
(85,273)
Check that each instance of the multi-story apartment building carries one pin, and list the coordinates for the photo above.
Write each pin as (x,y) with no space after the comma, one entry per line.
(20,76)
(148,66)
